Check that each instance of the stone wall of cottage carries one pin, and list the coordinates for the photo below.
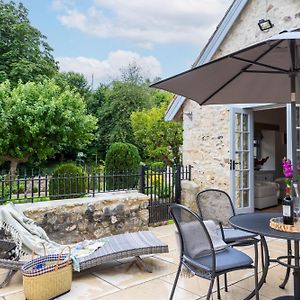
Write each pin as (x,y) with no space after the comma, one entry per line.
(245,31)
(73,220)
(206,133)
(206,144)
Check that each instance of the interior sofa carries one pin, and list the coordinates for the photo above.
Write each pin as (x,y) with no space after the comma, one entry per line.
(265,194)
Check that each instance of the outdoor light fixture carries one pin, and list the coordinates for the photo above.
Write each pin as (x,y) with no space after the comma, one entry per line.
(265,24)
(189,114)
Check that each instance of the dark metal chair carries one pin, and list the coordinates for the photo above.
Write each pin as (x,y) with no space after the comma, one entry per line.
(198,254)
(216,205)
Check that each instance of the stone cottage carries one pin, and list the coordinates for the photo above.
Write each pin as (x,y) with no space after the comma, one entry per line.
(220,149)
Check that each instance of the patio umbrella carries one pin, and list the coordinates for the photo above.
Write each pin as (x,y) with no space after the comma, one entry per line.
(266,72)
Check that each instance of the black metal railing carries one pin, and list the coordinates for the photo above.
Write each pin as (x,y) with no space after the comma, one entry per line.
(163,185)
(164,188)
(53,187)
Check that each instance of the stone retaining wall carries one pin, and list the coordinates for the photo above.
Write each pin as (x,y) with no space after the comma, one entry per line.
(189,191)
(73,220)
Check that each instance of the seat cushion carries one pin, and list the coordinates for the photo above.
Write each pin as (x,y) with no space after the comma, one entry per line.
(195,239)
(226,259)
(233,235)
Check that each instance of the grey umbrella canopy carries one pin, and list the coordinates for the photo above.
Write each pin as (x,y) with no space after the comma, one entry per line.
(266,72)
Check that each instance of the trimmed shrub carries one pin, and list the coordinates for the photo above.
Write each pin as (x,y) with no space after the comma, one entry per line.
(122,159)
(68,181)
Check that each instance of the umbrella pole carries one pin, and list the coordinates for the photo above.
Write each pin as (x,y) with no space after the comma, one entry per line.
(292,74)
(294,141)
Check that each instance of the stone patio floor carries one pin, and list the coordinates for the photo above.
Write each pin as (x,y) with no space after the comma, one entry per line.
(116,281)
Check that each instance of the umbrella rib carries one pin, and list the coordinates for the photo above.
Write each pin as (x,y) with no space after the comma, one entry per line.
(259,64)
(264,72)
(239,73)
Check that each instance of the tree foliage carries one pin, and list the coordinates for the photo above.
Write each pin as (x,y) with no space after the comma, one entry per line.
(120,99)
(39,120)
(42,117)
(24,53)
(97,99)
(75,81)
(160,139)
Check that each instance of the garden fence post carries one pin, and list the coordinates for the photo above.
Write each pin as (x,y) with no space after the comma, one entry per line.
(190,172)
(177,183)
(142,179)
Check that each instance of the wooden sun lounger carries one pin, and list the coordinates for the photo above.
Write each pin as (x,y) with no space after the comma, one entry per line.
(116,247)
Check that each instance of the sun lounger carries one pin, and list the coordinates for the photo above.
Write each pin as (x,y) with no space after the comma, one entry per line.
(26,236)
(116,247)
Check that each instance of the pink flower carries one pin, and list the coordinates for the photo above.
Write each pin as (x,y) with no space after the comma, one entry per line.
(288,168)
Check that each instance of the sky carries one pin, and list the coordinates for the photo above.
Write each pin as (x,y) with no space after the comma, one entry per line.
(99,38)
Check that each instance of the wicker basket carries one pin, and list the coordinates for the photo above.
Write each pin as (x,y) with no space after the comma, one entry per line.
(47,277)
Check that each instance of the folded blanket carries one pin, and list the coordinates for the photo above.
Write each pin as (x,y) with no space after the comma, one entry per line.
(28,236)
(25,233)
(83,249)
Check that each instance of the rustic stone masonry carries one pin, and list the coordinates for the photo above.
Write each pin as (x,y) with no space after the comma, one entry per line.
(206,145)
(72,220)
(189,191)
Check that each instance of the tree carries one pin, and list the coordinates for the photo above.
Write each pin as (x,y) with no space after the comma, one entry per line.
(160,139)
(75,81)
(132,74)
(40,119)
(161,97)
(96,100)
(113,104)
(24,53)
(122,98)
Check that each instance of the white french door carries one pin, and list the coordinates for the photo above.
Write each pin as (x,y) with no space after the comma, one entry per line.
(289,132)
(241,160)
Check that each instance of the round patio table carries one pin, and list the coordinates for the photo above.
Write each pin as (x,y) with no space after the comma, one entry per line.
(259,223)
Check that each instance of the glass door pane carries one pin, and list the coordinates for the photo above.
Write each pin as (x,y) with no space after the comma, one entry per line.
(241,156)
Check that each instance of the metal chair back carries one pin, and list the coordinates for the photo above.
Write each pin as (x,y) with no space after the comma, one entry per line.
(194,238)
(215,204)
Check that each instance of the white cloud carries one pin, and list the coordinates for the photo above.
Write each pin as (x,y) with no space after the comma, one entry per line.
(110,68)
(147,22)
(61,5)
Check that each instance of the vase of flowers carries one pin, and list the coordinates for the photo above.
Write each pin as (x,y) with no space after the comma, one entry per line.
(287,203)
(288,174)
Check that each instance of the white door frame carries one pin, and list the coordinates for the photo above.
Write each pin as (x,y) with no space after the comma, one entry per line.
(289,131)
(233,151)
